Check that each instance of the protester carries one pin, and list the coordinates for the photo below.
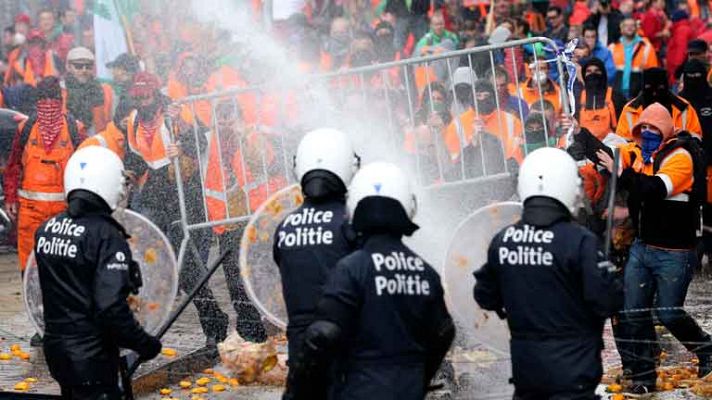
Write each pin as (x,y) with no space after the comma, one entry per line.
(557,28)
(596,108)
(600,51)
(681,34)
(434,41)
(123,70)
(659,172)
(607,21)
(509,102)
(631,55)
(87,318)
(393,337)
(539,86)
(88,100)
(655,25)
(32,61)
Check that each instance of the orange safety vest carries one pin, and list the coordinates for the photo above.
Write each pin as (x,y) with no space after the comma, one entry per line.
(42,170)
(683,117)
(111,138)
(600,121)
(154,153)
(644,56)
(106,109)
(502,125)
(530,95)
(217,195)
(20,66)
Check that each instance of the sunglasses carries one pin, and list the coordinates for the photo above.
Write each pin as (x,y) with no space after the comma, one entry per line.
(86,66)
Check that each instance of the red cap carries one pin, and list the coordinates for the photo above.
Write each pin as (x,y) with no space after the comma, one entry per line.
(36,34)
(144,84)
(22,18)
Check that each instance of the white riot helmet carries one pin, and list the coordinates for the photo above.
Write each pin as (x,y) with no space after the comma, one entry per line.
(381,179)
(97,170)
(328,150)
(550,172)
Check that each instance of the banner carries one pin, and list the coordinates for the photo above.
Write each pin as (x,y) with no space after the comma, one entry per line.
(109,33)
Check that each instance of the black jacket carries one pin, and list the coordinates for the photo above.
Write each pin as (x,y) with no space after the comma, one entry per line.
(303,265)
(389,305)
(614,24)
(84,268)
(545,272)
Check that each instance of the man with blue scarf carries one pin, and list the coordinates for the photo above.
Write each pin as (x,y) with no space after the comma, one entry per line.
(658,173)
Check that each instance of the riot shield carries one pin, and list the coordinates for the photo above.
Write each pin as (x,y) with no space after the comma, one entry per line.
(159,271)
(260,274)
(467,253)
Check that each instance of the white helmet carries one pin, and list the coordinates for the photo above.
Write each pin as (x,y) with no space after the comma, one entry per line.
(381,179)
(329,150)
(98,170)
(550,172)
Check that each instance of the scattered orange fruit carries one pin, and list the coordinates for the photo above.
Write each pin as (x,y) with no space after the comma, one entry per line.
(617,396)
(22,355)
(208,371)
(150,256)
(5,356)
(22,386)
(168,352)
(614,388)
(31,380)
(203,381)
(234,382)
(218,388)
(185,384)
(165,391)
(199,390)
(15,348)
(196,398)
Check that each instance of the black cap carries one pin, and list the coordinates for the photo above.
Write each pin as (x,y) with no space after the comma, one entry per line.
(697,46)
(125,61)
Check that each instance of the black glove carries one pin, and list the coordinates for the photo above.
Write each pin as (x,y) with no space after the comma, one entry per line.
(151,349)
(135,279)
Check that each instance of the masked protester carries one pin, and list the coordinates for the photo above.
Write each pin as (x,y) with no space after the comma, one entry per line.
(336,49)
(32,61)
(485,118)
(85,284)
(33,185)
(596,109)
(153,144)
(699,94)
(393,336)
(540,85)
(656,89)
(385,49)
(324,163)
(555,300)
(661,173)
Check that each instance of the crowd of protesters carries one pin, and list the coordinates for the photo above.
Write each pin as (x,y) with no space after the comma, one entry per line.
(461,118)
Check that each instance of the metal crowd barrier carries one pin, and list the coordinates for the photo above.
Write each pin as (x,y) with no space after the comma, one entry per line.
(392,104)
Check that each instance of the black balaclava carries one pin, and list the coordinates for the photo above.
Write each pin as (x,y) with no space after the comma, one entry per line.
(595,84)
(656,88)
(488,106)
(321,185)
(385,48)
(463,95)
(378,214)
(696,89)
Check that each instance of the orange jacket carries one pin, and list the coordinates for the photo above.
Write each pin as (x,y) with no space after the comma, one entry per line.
(154,153)
(684,117)
(219,197)
(101,114)
(111,138)
(502,125)
(601,121)
(529,92)
(20,69)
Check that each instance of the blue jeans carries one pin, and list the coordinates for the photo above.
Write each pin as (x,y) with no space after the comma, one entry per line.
(657,278)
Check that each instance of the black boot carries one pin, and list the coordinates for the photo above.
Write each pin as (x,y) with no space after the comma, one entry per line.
(215,329)
(36,340)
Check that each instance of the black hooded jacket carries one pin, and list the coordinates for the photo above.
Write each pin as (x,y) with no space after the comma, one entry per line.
(546,274)
(596,90)
(85,269)
(699,94)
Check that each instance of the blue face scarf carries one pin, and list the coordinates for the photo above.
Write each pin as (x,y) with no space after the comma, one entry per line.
(649,143)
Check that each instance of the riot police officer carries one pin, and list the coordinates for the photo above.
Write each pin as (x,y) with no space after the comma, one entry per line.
(546,274)
(310,240)
(383,314)
(86,273)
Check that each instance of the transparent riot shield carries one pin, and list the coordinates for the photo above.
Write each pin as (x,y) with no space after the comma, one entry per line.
(159,271)
(467,253)
(259,271)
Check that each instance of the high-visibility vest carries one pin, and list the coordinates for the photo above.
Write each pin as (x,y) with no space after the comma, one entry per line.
(502,125)
(600,121)
(223,202)
(154,153)
(104,111)
(531,95)
(20,67)
(643,56)
(42,170)
(682,118)
(111,138)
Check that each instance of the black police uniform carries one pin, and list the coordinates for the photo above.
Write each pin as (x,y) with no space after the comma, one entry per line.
(86,273)
(382,312)
(546,274)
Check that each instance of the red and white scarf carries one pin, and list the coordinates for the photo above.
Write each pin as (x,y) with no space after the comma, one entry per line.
(151,126)
(49,120)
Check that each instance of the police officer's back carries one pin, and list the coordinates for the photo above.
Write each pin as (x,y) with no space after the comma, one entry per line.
(546,274)
(86,273)
(383,310)
(310,240)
